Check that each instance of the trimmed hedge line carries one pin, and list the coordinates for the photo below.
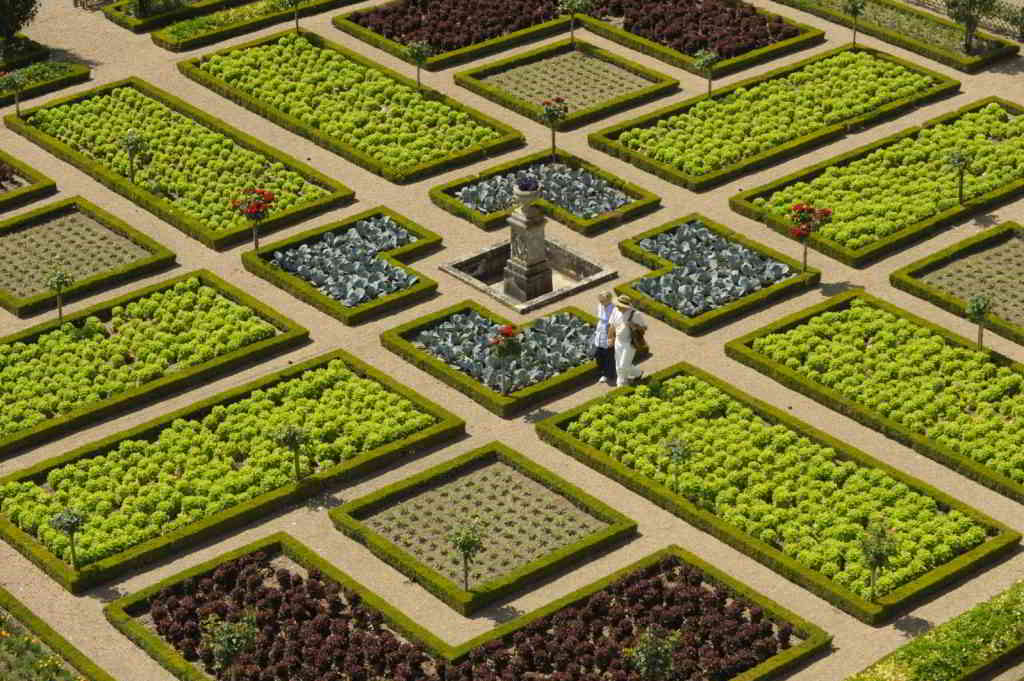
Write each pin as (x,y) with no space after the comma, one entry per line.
(339,194)
(79,74)
(347,519)
(258,263)
(31,53)
(743,204)
(740,350)
(720,315)
(551,430)
(397,341)
(291,335)
(38,186)
(607,140)
(643,201)
(909,278)
(116,13)
(74,657)
(123,612)
(77,581)
(474,80)
(509,139)
(160,257)
(954,60)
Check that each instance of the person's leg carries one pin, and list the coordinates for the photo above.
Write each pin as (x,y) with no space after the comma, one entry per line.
(624,363)
(606,364)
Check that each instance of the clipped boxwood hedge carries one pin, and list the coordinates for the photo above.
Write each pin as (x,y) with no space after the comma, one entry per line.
(509,138)
(30,52)
(124,612)
(475,79)
(607,140)
(159,257)
(743,203)
(643,201)
(630,248)
(79,74)
(290,335)
(347,518)
(909,278)
(339,194)
(118,12)
(38,186)
(397,340)
(1002,541)
(77,581)
(258,262)
(740,349)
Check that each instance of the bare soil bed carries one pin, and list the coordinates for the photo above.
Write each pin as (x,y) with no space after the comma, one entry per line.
(995,272)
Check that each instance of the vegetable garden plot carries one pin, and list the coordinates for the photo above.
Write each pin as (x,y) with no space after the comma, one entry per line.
(21,183)
(317,622)
(40,78)
(775,488)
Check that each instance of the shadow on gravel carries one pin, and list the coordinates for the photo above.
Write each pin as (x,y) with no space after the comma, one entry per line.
(912,626)
(836,287)
(1013,67)
(105,594)
(499,613)
(538,415)
(985,221)
(60,54)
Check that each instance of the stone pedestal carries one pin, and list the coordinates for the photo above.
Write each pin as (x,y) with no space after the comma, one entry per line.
(527,272)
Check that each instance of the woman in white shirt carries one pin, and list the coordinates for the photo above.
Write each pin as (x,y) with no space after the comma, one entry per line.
(625,314)
(603,351)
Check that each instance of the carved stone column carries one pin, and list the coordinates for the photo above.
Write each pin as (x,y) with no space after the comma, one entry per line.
(527,272)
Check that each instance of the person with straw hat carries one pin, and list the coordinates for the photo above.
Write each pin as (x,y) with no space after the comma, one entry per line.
(619,329)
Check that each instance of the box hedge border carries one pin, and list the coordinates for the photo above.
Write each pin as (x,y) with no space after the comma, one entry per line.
(743,204)
(952,59)
(338,195)
(607,140)
(290,335)
(115,13)
(77,581)
(162,37)
(506,406)
(257,262)
(159,258)
(887,607)
(347,519)
(34,52)
(38,186)
(71,655)
(509,138)
(79,74)
(659,86)
(119,612)
(643,201)
(740,350)
(908,278)
(725,313)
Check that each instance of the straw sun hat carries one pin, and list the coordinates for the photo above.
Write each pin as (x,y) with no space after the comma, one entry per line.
(624,302)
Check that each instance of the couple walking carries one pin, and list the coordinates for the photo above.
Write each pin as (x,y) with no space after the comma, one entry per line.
(613,342)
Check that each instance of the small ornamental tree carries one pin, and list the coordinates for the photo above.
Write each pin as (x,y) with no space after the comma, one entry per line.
(977,310)
(467,538)
(572,8)
(968,13)
(855,8)
(69,522)
(705,61)
(18,80)
(878,546)
(254,206)
(227,640)
(419,51)
(651,654)
(808,220)
(14,16)
(961,162)
(133,143)
(293,438)
(58,281)
(294,5)
(554,112)
(507,345)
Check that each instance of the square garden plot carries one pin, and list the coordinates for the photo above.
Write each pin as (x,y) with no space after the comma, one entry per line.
(352,269)
(578,194)
(41,78)
(98,250)
(779,490)
(707,140)
(706,274)
(989,264)
(213,466)
(374,117)
(320,624)
(454,346)
(21,183)
(595,83)
(900,189)
(534,524)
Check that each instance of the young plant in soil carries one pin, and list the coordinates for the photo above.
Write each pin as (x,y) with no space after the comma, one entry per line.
(419,51)
(977,310)
(59,280)
(467,538)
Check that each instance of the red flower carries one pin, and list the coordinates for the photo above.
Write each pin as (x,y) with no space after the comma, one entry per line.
(559,100)
(508,331)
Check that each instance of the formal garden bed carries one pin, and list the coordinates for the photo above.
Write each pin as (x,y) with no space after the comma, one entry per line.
(407,134)
(326,626)
(354,269)
(779,490)
(95,248)
(213,466)
(41,78)
(190,167)
(583,197)
(706,274)
(914,381)
(125,13)
(532,525)
(900,189)
(22,52)
(20,183)
(711,139)
(594,83)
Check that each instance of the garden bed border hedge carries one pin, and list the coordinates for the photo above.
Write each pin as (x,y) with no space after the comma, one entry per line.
(742,203)
(427,241)
(187,10)
(39,185)
(631,248)
(888,606)
(80,73)
(347,519)
(160,257)
(338,195)
(36,52)
(607,140)
(77,581)
(289,336)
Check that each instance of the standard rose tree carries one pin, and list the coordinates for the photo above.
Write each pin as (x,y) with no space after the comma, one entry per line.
(134,144)
(555,111)
(254,206)
(58,281)
(855,8)
(294,5)
(968,13)
(808,220)
(293,438)
(467,539)
(69,522)
(419,51)
(878,546)
(18,80)
(572,8)
(961,163)
(705,60)
(507,345)
(977,310)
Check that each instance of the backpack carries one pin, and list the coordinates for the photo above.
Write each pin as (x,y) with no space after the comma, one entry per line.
(636,333)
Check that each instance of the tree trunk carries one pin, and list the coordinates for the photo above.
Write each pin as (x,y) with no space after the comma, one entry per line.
(417,76)
(874,579)
(709,83)
(805,255)
(553,156)
(297,20)
(961,186)
(131,173)
(572,29)
(17,100)
(74,556)
(969,28)
(855,33)
(981,329)
(295,454)
(256,244)
(465,572)
(60,309)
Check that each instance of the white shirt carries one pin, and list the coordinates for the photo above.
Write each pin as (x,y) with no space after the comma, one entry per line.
(604,315)
(618,321)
